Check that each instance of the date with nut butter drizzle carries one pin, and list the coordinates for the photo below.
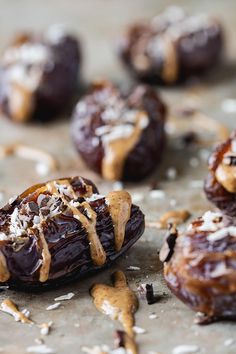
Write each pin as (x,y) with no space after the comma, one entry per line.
(62,230)
(220,184)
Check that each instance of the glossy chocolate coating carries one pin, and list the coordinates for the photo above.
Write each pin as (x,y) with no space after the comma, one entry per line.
(57,73)
(88,117)
(66,237)
(215,192)
(202,269)
(196,42)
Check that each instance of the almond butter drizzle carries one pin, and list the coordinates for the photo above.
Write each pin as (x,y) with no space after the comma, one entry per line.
(117,150)
(29,153)
(46,262)
(119,302)
(97,252)
(119,205)
(21,103)
(226,176)
(8,306)
(170,61)
(173,216)
(4,272)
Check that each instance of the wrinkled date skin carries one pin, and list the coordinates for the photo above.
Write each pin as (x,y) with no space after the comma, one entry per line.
(51,213)
(202,269)
(39,75)
(147,49)
(106,108)
(215,191)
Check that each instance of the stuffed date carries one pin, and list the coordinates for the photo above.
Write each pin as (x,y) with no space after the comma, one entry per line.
(120,136)
(62,230)
(200,265)
(38,74)
(220,184)
(172,46)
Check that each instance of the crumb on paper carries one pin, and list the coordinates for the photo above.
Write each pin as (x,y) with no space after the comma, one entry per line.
(139,330)
(40,349)
(228,105)
(53,306)
(186,349)
(96,349)
(39,341)
(42,169)
(157,194)
(204,154)
(45,328)
(117,186)
(228,342)
(196,184)
(68,296)
(133,268)
(152,316)
(171,173)
(137,197)
(194,162)
(173,202)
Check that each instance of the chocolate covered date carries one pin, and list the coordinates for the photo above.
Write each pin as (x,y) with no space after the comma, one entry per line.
(172,46)
(200,265)
(120,136)
(220,184)
(38,75)
(62,230)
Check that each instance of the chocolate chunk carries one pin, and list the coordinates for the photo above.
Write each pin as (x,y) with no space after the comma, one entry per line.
(167,249)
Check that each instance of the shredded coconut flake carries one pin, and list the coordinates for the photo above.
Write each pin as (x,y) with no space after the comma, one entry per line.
(53,306)
(157,194)
(133,268)
(139,330)
(40,349)
(210,221)
(229,105)
(221,234)
(68,296)
(185,349)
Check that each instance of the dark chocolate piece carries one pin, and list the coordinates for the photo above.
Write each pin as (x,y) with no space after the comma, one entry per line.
(167,249)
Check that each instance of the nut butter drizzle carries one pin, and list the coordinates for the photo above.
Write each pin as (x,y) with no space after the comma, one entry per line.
(117,150)
(176,217)
(46,262)
(118,301)
(119,205)
(170,68)
(226,171)
(4,272)
(97,252)
(10,307)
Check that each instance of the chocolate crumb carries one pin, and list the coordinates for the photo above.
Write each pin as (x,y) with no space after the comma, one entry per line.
(150,296)
(189,138)
(167,249)
(119,339)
